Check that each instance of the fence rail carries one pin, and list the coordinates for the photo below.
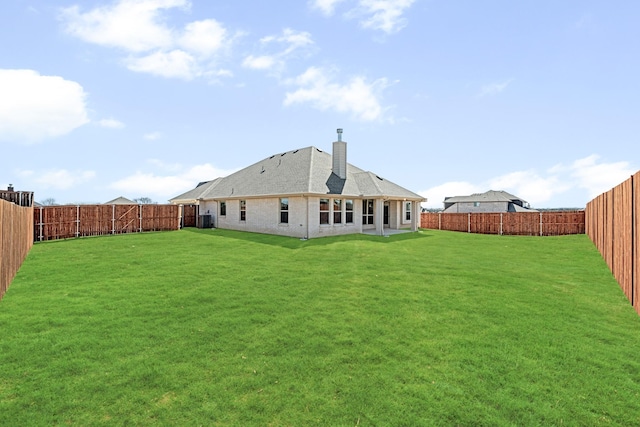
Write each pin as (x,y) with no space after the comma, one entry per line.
(508,223)
(63,222)
(613,224)
(16,229)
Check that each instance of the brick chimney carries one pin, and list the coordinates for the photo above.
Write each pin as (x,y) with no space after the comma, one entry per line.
(340,157)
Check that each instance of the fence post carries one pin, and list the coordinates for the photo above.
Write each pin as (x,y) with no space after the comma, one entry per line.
(501,223)
(113,219)
(40,225)
(469,222)
(77,220)
(140,214)
(541,223)
(439,220)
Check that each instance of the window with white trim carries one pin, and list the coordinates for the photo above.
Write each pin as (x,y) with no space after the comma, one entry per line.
(284,211)
(348,211)
(407,211)
(367,211)
(324,211)
(337,211)
(243,210)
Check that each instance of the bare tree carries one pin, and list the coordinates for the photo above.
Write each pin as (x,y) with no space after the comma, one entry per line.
(50,201)
(144,201)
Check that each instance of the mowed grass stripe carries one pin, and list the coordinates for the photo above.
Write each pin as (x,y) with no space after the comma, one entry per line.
(215,327)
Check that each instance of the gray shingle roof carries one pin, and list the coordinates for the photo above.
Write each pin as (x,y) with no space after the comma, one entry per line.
(489,196)
(120,201)
(302,171)
(196,193)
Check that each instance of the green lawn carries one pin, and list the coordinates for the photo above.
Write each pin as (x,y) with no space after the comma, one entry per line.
(222,328)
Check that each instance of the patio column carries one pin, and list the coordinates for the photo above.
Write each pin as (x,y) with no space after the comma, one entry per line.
(379,217)
(415,216)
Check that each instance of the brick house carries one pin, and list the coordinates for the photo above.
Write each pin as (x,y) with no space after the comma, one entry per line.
(305,193)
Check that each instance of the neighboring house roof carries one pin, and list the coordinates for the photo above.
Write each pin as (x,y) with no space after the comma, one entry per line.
(491,196)
(120,201)
(302,171)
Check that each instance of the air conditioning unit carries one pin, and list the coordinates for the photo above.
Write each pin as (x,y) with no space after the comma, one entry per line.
(206,221)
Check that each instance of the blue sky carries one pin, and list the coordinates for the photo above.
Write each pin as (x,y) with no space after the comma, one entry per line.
(145,98)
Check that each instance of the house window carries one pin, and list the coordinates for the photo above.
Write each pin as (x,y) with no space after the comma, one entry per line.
(337,211)
(243,210)
(407,211)
(223,208)
(324,211)
(348,215)
(367,211)
(476,204)
(284,211)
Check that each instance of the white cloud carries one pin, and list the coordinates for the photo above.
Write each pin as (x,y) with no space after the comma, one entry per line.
(598,178)
(132,25)
(289,41)
(291,38)
(176,63)
(204,38)
(62,179)
(358,97)
(263,62)
(35,107)
(543,189)
(383,15)
(111,123)
(530,186)
(327,7)
(493,88)
(151,184)
(139,28)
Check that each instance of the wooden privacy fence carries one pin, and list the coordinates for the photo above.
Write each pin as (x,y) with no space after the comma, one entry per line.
(508,223)
(62,222)
(613,224)
(16,231)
